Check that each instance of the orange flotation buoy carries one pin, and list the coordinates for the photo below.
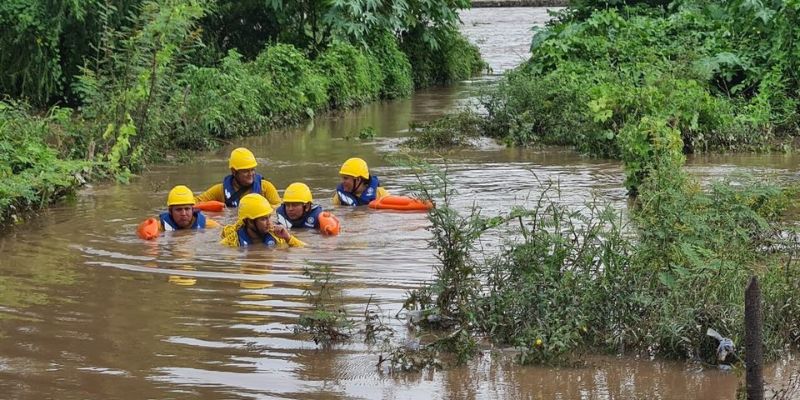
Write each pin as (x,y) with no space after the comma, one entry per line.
(400,203)
(148,229)
(328,223)
(210,206)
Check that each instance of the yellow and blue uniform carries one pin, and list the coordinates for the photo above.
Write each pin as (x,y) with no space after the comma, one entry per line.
(227,191)
(254,207)
(199,221)
(308,220)
(236,236)
(372,192)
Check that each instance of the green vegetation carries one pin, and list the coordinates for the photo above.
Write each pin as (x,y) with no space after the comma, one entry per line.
(642,83)
(571,281)
(444,58)
(150,76)
(35,164)
(452,130)
(327,321)
(645,82)
(367,133)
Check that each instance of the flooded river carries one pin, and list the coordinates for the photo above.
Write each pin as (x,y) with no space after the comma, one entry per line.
(89,311)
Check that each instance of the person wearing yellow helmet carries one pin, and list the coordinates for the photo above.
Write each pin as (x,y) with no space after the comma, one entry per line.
(180,215)
(242,180)
(255,225)
(299,211)
(357,187)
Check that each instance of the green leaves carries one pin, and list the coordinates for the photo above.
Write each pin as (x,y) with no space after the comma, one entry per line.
(32,173)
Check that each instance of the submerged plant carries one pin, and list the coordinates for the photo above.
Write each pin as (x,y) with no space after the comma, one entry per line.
(327,320)
(449,131)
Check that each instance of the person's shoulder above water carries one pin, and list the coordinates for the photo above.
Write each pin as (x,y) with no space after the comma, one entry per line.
(299,211)
(255,225)
(357,186)
(241,181)
(180,214)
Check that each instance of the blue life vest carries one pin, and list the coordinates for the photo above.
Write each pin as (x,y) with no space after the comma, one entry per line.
(308,220)
(229,192)
(244,238)
(369,194)
(169,224)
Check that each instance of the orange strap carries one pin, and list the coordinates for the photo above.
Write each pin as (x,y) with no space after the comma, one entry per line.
(401,203)
(148,229)
(210,206)
(328,223)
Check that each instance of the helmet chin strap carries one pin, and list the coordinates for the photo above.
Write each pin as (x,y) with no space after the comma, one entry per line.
(358,185)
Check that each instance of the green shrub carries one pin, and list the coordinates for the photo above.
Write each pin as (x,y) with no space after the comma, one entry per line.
(568,281)
(354,76)
(127,92)
(220,103)
(442,58)
(397,80)
(300,89)
(31,173)
(451,130)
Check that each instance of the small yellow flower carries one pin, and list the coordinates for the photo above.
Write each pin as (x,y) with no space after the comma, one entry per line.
(538,342)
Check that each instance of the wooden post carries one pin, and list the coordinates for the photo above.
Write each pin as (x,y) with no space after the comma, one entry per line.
(754,352)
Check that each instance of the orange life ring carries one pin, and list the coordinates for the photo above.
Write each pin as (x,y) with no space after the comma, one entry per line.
(210,206)
(328,223)
(148,229)
(400,203)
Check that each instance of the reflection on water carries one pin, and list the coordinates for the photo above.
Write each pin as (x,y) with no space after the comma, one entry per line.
(87,310)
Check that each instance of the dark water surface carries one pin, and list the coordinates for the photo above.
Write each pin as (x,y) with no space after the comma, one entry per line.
(89,311)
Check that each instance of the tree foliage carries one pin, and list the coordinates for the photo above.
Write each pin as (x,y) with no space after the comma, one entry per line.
(45,43)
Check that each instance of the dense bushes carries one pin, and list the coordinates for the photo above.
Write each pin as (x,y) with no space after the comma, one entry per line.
(32,172)
(45,43)
(446,59)
(354,77)
(598,81)
(397,71)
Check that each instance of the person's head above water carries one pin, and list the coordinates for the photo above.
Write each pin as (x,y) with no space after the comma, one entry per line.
(358,187)
(180,202)
(354,174)
(297,200)
(243,166)
(255,212)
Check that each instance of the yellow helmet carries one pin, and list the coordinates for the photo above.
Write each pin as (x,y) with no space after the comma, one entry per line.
(242,158)
(355,167)
(297,193)
(180,195)
(254,206)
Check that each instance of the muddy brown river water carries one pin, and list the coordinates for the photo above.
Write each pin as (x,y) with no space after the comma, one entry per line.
(89,311)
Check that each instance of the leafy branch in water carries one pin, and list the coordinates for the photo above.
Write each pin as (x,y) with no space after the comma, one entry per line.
(327,320)
(452,130)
